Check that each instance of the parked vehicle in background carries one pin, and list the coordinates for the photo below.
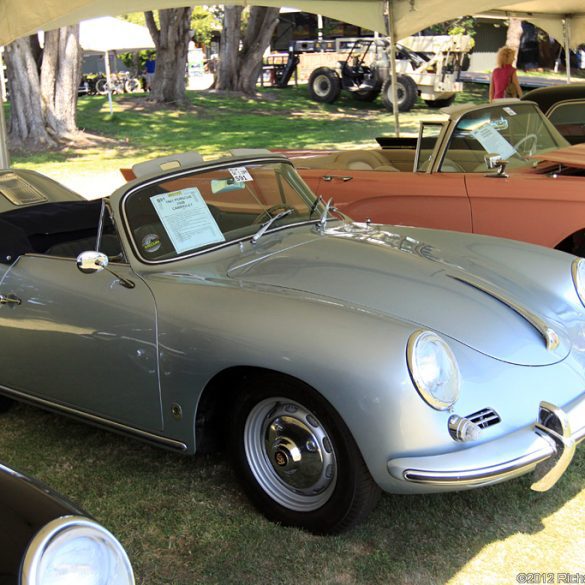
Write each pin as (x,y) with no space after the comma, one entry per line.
(426,66)
(212,302)
(564,106)
(498,169)
(45,539)
(121,82)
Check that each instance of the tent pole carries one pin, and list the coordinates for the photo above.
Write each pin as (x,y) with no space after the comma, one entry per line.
(567,35)
(108,81)
(391,32)
(4,155)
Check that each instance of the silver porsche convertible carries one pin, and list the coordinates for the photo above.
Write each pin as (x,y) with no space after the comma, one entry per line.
(221,302)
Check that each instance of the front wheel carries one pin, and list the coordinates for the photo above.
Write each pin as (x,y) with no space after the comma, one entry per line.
(324,85)
(406,93)
(132,85)
(297,459)
(101,86)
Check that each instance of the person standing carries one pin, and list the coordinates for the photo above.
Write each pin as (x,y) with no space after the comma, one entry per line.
(150,67)
(503,80)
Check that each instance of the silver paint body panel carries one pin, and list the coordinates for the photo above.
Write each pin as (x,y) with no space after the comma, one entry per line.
(333,308)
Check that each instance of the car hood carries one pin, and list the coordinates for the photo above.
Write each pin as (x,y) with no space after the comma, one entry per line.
(385,272)
(571,156)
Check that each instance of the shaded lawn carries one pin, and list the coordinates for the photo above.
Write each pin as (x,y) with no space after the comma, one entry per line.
(184,519)
(216,123)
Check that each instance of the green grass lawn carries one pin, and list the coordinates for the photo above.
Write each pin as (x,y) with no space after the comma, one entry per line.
(216,123)
(184,520)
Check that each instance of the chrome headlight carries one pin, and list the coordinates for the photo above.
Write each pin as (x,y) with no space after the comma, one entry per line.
(434,369)
(76,551)
(578,270)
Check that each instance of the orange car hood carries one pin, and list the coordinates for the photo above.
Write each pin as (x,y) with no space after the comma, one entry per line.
(572,156)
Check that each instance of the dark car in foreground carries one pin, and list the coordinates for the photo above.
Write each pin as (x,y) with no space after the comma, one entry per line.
(47,540)
(564,106)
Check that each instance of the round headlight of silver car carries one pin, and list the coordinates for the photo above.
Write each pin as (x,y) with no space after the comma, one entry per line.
(434,369)
(73,550)
(578,270)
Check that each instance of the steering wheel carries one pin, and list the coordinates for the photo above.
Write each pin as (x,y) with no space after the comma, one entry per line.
(271,212)
(528,137)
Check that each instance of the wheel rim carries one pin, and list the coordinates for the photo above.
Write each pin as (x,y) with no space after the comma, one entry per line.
(322,85)
(290,454)
(400,93)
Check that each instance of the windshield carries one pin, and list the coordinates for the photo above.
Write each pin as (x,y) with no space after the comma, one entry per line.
(188,212)
(513,132)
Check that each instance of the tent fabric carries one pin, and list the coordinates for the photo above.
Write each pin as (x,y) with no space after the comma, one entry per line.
(112,34)
(22,17)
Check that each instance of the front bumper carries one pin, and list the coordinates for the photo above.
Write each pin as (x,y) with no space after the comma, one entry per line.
(547,447)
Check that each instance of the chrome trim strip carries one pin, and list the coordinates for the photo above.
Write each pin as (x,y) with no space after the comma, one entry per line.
(481,475)
(549,335)
(575,274)
(556,448)
(98,420)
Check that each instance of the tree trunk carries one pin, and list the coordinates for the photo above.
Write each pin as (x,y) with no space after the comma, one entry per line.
(239,69)
(27,124)
(261,26)
(43,104)
(227,73)
(514,34)
(171,42)
(68,78)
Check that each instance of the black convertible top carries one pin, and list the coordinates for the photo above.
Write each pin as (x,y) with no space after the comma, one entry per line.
(37,228)
(546,97)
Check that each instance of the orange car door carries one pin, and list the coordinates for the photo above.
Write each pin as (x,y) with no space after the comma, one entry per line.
(437,200)
(532,208)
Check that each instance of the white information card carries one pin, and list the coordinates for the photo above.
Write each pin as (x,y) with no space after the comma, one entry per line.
(187,219)
(493,141)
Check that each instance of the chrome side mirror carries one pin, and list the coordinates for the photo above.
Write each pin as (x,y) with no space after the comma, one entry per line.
(495,161)
(91,262)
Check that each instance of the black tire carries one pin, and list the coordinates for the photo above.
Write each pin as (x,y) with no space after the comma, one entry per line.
(407,93)
(132,85)
(276,419)
(324,85)
(366,95)
(5,403)
(101,86)
(440,103)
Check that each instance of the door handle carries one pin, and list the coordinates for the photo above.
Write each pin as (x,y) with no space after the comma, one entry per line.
(9,299)
(331,177)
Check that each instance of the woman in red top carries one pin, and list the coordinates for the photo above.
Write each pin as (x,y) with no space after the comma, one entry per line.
(503,75)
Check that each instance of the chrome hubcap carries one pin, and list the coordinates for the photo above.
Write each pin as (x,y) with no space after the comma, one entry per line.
(321,85)
(400,93)
(290,454)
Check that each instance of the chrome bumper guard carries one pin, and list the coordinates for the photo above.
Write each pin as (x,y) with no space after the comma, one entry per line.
(547,447)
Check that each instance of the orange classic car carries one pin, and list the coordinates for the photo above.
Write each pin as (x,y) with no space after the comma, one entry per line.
(500,169)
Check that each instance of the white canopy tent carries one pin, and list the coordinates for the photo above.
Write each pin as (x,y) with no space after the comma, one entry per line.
(105,34)
(112,34)
(22,17)
(395,18)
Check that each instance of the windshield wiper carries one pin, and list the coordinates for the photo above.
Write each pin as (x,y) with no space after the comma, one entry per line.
(265,226)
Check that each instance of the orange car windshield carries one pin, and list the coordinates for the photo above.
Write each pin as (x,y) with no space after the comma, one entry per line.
(513,132)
